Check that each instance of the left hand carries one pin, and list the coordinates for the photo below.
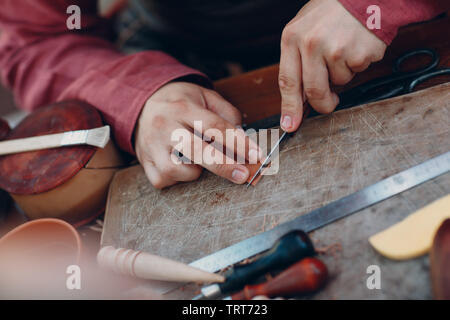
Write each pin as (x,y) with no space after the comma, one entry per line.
(323,43)
(177,106)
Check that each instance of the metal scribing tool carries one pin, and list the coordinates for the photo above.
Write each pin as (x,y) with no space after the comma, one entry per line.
(270,122)
(267,160)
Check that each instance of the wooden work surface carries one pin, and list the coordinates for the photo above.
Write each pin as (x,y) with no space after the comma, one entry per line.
(330,157)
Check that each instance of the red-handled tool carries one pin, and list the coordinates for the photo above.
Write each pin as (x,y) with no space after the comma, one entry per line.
(306,276)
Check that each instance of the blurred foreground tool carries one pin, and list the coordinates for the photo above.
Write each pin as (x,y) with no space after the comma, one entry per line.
(306,276)
(147,266)
(289,249)
(440,262)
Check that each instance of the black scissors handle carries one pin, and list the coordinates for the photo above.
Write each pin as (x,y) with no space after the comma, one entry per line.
(426,76)
(399,82)
(430,66)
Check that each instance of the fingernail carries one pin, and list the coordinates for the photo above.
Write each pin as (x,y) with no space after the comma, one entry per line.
(253,156)
(260,154)
(336,99)
(239,175)
(286,122)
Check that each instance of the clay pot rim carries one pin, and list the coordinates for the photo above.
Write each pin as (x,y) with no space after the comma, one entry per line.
(33,223)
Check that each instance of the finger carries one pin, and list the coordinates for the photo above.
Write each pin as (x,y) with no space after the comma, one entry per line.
(358,63)
(172,168)
(340,73)
(360,59)
(215,161)
(316,84)
(225,135)
(154,176)
(167,158)
(290,83)
(217,104)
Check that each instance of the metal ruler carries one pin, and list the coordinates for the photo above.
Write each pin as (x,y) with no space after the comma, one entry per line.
(338,209)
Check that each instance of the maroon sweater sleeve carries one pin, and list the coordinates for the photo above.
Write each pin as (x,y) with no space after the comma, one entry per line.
(43,62)
(396,13)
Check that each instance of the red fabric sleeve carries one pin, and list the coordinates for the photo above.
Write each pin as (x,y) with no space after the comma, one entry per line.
(396,13)
(43,62)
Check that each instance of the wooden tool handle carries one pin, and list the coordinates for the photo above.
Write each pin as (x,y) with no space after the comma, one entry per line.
(147,266)
(306,276)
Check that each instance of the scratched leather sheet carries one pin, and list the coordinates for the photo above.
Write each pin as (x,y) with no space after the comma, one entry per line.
(330,157)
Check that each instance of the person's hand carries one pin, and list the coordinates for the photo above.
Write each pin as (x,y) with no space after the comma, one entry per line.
(323,42)
(178,105)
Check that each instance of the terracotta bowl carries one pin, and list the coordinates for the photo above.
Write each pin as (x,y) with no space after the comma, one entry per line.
(34,258)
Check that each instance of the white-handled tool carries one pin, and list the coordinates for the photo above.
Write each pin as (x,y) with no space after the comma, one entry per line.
(98,137)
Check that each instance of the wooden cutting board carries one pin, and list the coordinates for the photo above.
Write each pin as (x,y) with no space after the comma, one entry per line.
(330,157)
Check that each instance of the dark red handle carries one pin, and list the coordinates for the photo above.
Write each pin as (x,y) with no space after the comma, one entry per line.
(4,129)
(306,276)
(4,198)
(440,262)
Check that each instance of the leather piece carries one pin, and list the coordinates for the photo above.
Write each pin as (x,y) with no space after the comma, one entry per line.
(40,171)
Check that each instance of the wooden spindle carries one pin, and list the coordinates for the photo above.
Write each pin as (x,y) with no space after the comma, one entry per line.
(147,266)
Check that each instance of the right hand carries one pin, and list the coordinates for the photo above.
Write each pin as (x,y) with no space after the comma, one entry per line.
(176,106)
(324,43)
